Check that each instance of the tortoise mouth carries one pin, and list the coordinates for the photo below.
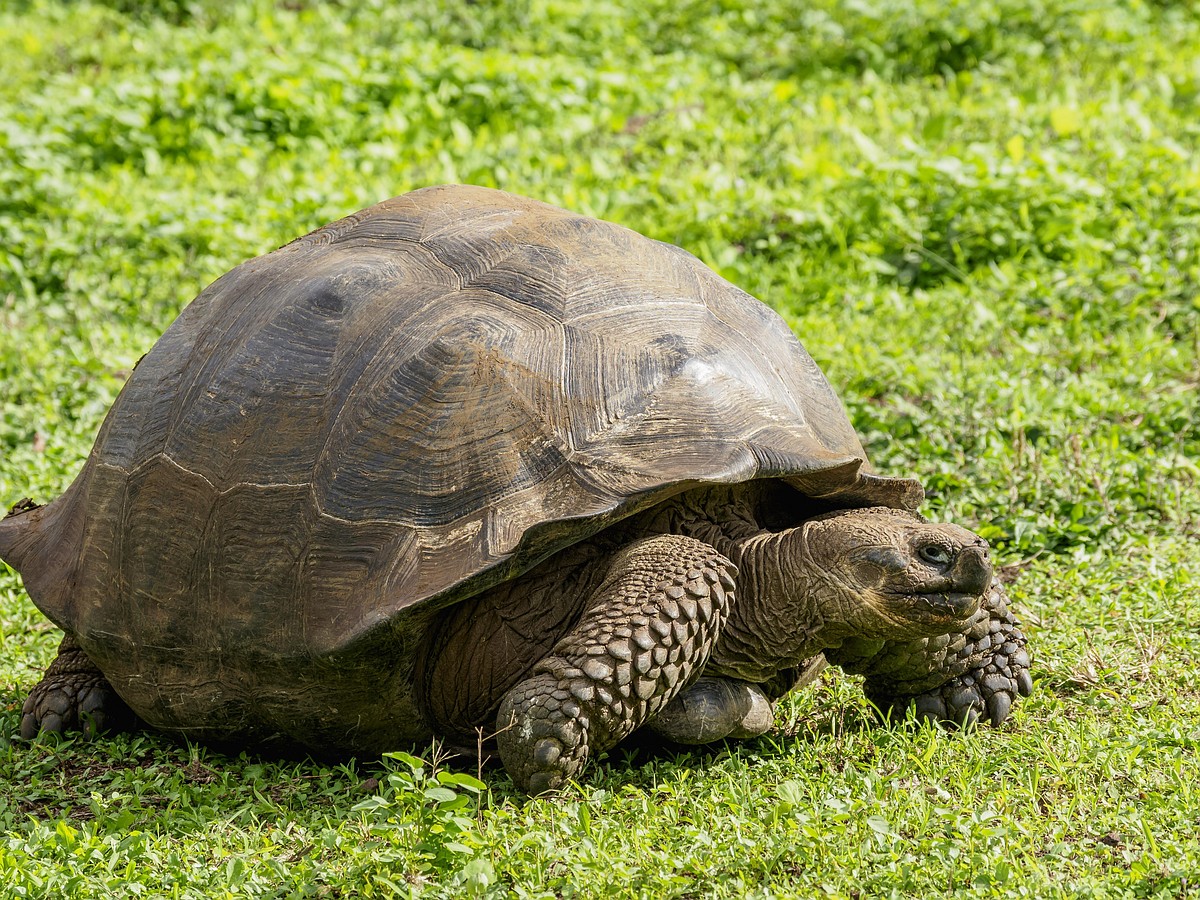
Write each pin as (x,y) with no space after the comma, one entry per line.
(946,604)
(932,612)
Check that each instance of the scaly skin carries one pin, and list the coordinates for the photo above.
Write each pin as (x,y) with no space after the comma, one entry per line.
(911,604)
(73,694)
(961,678)
(646,636)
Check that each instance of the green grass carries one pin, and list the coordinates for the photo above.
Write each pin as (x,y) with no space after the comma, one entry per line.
(982,219)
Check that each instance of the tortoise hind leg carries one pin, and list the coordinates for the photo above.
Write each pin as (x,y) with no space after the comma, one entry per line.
(716,707)
(649,629)
(73,694)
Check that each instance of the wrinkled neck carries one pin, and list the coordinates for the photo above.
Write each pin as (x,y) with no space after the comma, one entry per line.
(778,619)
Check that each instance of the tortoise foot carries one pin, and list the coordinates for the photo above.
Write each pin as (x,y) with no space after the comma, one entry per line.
(543,734)
(985,692)
(73,695)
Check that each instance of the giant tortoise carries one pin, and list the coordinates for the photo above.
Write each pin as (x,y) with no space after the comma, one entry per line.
(467,465)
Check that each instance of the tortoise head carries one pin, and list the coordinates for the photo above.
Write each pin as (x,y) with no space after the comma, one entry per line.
(893,575)
(875,572)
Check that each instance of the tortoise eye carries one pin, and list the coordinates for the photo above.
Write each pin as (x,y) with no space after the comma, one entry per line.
(938,554)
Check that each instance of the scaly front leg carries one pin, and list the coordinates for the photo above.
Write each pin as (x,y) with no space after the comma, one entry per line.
(960,678)
(647,634)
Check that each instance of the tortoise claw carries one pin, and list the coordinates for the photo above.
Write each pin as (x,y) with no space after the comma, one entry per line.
(965,701)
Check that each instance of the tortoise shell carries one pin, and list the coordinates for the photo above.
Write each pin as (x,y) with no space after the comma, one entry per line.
(407,406)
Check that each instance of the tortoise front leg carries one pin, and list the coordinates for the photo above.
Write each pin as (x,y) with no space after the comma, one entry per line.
(647,634)
(960,678)
(73,694)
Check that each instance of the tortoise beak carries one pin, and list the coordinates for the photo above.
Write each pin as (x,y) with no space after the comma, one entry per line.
(971,572)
